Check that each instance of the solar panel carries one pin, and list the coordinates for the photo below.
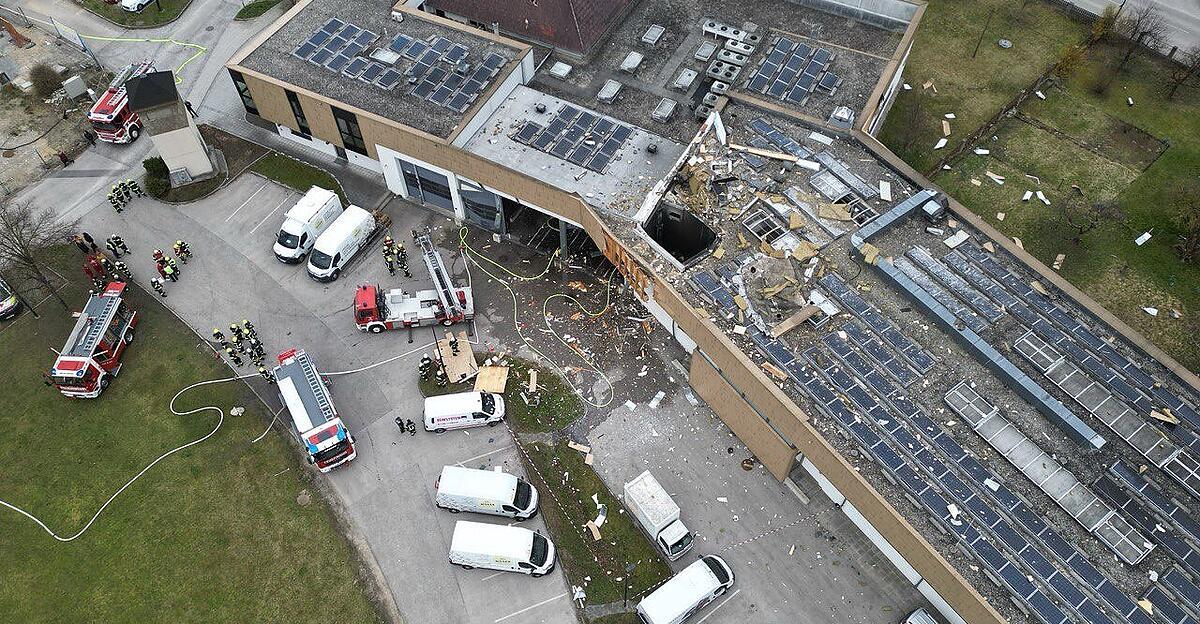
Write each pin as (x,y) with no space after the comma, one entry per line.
(778,88)
(561,148)
(581,154)
(337,63)
(320,37)
(787,76)
(545,139)
(803,50)
(436,75)
(453,81)
(423,89)
(336,44)
(320,56)
(758,82)
(415,50)
(365,38)
(814,68)
(493,62)
(332,26)
(356,67)
(349,32)
(418,70)
(353,48)
(795,63)
(568,113)
(388,79)
(599,162)
(777,55)
(430,57)
(528,132)
(305,50)
(472,88)
(441,45)
(604,127)
(456,53)
(586,120)
(441,96)
(785,44)
(372,72)
(823,56)
(400,43)
(459,102)
(622,132)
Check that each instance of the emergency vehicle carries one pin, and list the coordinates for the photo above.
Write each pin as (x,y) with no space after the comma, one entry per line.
(111,117)
(92,355)
(324,436)
(376,310)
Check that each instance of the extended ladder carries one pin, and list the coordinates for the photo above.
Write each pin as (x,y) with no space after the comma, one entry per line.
(441,278)
(314,382)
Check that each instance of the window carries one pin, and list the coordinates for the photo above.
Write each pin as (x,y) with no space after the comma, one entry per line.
(347,125)
(298,112)
(244,91)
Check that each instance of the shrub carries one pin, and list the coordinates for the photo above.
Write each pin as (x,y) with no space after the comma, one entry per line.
(45,80)
(254,9)
(158,180)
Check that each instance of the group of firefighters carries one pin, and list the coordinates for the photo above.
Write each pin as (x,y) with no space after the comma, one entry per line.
(168,268)
(243,340)
(97,266)
(394,253)
(123,192)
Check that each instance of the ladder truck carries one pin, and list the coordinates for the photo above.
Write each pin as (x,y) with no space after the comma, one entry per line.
(324,436)
(91,357)
(376,309)
(111,117)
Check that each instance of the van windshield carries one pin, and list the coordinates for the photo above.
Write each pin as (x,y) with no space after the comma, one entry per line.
(682,544)
(524,493)
(541,548)
(332,452)
(489,403)
(718,570)
(289,240)
(320,259)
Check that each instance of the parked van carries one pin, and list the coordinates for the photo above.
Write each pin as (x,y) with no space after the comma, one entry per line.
(304,222)
(687,592)
(487,492)
(344,239)
(499,547)
(920,616)
(462,410)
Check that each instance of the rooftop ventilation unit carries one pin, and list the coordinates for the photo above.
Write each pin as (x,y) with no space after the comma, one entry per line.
(739,47)
(632,61)
(664,110)
(560,70)
(720,88)
(722,71)
(719,29)
(733,58)
(608,93)
(653,34)
(684,80)
(398,16)
(705,51)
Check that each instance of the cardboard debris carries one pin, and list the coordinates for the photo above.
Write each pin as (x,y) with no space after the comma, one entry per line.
(587,459)
(1058,262)
(1020,245)
(982,151)
(795,221)
(742,242)
(771,291)
(940,144)
(1026,196)
(989,246)
(1151,311)
(805,250)
(999,216)
(1141,240)
(945,128)
(582,448)
(1165,415)
(885,190)
(976,182)
(928,83)
(1146,605)
(532,386)
(870,253)
(774,371)
(1038,288)
(1042,197)
(719,253)
(836,212)
(794,320)
(594,529)
(492,379)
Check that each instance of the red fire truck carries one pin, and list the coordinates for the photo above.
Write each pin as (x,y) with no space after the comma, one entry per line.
(92,355)
(111,116)
(314,419)
(376,309)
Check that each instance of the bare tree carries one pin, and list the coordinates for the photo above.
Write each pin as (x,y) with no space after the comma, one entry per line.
(1187,219)
(1144,25)
(24,234)
(1188,66)
(1084,216)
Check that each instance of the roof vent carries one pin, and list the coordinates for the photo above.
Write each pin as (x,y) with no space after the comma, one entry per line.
(539,107)
(398,16)
(652,148)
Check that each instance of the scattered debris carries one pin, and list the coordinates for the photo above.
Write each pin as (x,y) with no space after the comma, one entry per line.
(657,399)
(1151,311)
(1058,262)
(794,320)
(928,84)
(582,448)
(1020,245)
(1141,240)
(982,151)
(885,191)
(999,216)
(594,529)
(989,246)
(956,239)
(1165,415)
(945,128)
(1129,101)
(950,116)
(1176,314)
(976,182)
(998,179)
(940,144)
(821,138)
(907,87)
(1042,196)
(1026,196)
(1146,605)
(1038,288)
(1041,96)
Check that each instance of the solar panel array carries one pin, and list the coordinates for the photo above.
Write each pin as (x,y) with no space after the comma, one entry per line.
(580,137)
(939,473)
(793,70)
(439,71)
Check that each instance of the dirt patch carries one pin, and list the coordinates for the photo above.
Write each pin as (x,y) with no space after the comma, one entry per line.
(1093,129)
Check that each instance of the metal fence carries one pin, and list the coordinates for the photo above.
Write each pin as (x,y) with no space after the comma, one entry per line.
(21,16)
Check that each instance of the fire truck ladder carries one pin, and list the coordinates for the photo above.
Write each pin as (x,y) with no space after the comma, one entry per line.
(314,382)
(441,278)
(96,326)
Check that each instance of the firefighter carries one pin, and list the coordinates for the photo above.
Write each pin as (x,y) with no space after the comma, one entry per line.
(453,344)
(403,254)
(92,267)
(390,261)
(158,257)
(248,327)
(411,426)
(439,376)
(182,250)
(118,192)
(389,244)
(123,269)
(219,337)
(238,344)
(112,247)
(255,347)
(123,193)
(171,261)
(266,375)
(162,269)
(116,202)
(157,285)
(120,242)
(233,356)
(425,366)
(236,330)
(133,187)
(399,424)
(87,238)
(80,243)
(169,271)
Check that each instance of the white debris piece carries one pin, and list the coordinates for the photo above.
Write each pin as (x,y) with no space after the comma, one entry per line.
(936,231)
(1141,240)
(1129,101)
(1042,196)
(950,116)
(657,398)
(885,190)
(1151,311)
(1041,96)
(907,87)
(821,138)
(991,484)
(982,152)
(631,405)
(1026,196)
(940,144)
(957,239)
(722,499)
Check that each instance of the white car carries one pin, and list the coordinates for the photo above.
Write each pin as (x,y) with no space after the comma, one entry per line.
(135,6)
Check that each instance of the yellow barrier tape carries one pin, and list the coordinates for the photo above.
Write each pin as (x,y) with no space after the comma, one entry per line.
(178,79)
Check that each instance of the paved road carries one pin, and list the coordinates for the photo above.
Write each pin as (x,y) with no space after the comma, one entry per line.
(1183,17)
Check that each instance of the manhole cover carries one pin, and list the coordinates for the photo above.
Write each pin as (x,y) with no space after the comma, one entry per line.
(1005,43)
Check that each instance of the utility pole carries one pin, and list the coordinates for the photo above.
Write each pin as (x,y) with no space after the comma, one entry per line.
(982,32)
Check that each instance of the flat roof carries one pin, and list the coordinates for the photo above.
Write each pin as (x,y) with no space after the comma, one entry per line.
(620,189)
(274,57)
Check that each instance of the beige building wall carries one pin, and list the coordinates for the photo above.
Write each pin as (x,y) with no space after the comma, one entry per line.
(184,149)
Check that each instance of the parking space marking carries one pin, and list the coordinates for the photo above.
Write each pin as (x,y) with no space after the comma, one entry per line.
(709,614)
(264,220)
(469,459)
(264,185)
(491,576)
(546,601)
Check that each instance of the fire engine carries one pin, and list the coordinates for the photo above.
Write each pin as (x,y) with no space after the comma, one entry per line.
(376,310)
(324,436)
(111,116)
(92,355)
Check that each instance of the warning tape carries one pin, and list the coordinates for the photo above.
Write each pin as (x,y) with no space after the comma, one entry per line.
(178,80)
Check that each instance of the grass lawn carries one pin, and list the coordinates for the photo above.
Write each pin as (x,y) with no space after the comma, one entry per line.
(974,89)
(213,533)
(558,408)
(149,16)
(621,543)
(255,9)
(298,175)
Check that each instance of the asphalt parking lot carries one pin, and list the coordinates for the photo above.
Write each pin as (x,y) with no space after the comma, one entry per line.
(796,561)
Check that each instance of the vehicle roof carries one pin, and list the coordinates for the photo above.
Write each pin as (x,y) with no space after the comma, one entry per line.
(310,204)
(97,313)
(652,499)
(488,484)
(449,404)
(679,593)
(920,616)
(307,401)
(341,228)
(492,539)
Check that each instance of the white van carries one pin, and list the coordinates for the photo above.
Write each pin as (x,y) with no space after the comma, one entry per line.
(687,592)
(499,547)
(304,222)
(485,491)
(345,238)
(462,410)
(920,616)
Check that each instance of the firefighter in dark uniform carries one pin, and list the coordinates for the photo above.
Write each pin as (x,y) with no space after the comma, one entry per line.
(233,356)
(112,247)
(120,242)
(123,269)
(133,187)
(266,375)
(157,285)
(116,202)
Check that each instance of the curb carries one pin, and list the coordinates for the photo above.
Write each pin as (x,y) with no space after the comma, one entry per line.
(131,27)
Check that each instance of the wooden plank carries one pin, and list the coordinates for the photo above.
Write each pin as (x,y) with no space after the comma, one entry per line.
(492,379)
(792,321)
(462,366)
(532,386)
